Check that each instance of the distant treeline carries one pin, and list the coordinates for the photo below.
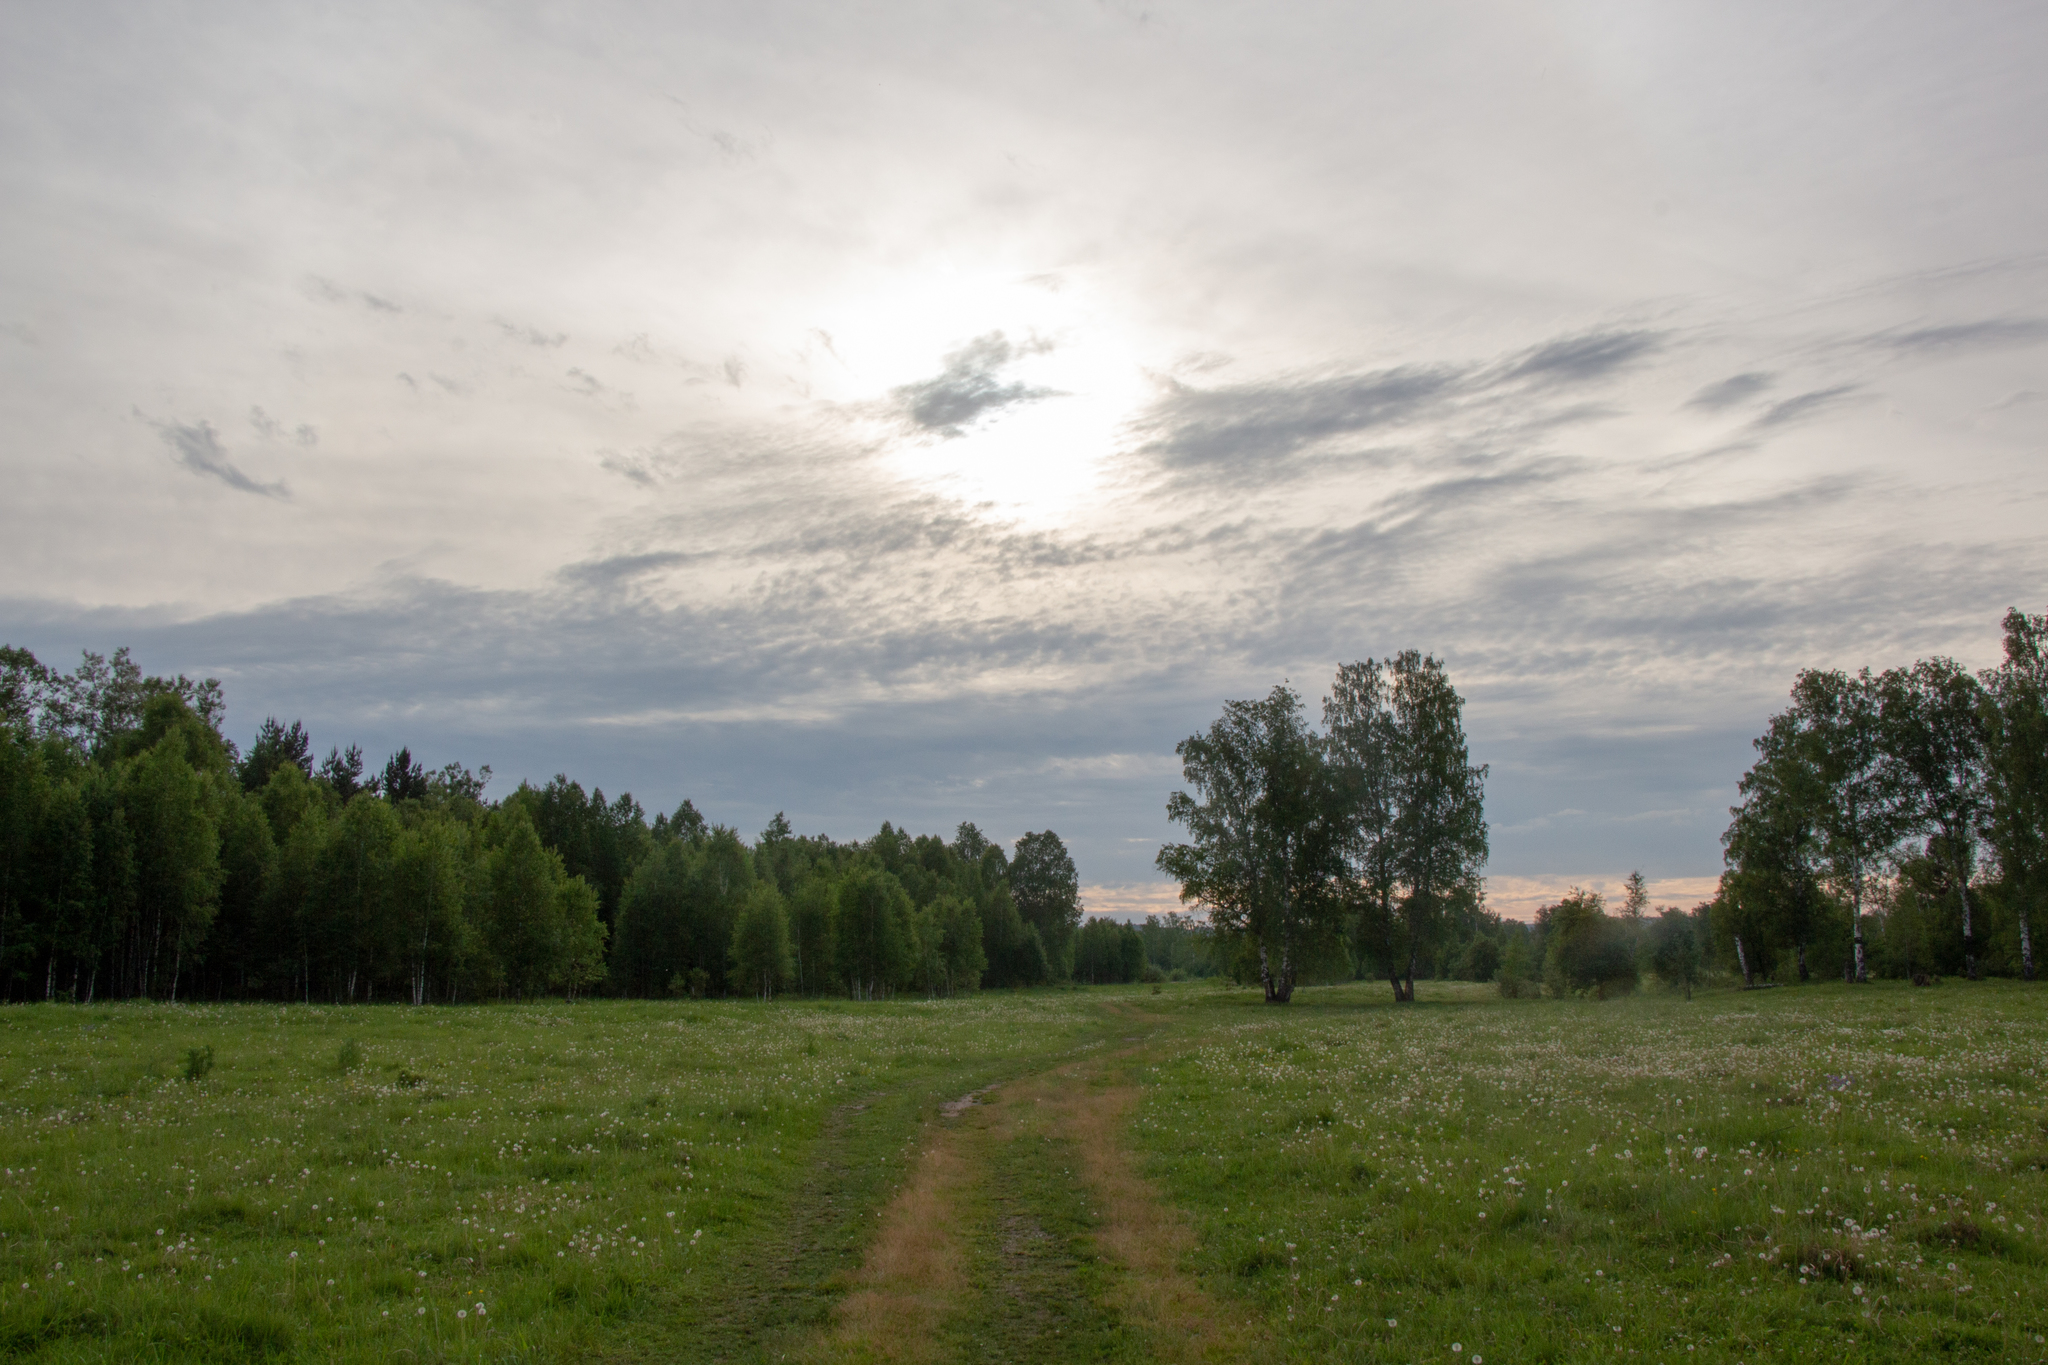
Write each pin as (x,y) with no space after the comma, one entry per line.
(142,854)
(1893,824)
(1896,822)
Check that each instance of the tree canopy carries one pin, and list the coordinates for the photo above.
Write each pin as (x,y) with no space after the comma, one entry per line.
(143,854)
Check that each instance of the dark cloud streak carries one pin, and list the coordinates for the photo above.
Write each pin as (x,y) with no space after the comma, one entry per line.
(969,388)
(197,447)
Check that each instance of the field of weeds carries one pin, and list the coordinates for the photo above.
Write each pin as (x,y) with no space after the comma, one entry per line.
(1793,1174)
(1821,1173)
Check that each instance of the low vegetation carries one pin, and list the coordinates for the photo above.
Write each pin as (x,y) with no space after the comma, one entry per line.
(1785,1175)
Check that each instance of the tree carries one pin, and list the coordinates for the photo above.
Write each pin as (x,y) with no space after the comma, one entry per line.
(522,913)
(760,941)
(1366,760)
(1109,952)
(2015,710)
(598,841)
(1836,721)
(1264,849)
(404,778)
(1585,948)
(27,688)
(812,909)
(248,863)
(1935,729)
(1675,949)
(579,960)
(24,787)
(950,934)
(876,943)
(342,771)
(1635,907)
(677,913)
(275,746)
(969,843)
(1742,918)
(1772,844)
(177,862)
(358,911)
(427,866)
(1047,892)
(1441,829)
(650,947)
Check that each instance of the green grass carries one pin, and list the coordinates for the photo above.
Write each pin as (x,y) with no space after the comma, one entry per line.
(606,1179)
(1650,1179)
(694,1180)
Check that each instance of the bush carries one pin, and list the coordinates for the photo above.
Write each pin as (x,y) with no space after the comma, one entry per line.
(1587,950)
(349,1057)
(198,1061)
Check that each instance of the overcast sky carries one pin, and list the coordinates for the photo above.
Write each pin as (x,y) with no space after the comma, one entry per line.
(933,412)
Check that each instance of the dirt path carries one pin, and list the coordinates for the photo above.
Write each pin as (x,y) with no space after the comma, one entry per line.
(982,1197)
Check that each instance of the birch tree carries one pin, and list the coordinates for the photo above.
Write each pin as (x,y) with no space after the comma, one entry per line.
(1934,722)
(1836,721)
(2015,712)
(1263,824)
(1441,827)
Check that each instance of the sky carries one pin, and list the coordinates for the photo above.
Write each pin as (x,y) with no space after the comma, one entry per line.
(934,412)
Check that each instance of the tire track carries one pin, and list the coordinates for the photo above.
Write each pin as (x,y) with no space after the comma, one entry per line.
(914,1287)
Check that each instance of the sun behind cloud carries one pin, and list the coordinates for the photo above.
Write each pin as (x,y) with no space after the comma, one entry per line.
(1004,391)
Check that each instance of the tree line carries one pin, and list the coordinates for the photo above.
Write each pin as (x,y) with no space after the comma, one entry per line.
(1892,825)
(1896,821)
(144,854)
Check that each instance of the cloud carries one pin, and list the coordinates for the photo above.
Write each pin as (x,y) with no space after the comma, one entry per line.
(1966,335)
(1264,431)
(1579,359)
(532,336)
(969,388)
(270,429)
(197,447)
(1803,405)
(1251,425)
(639,466)
(334,293)
(619,568)
(1737,388)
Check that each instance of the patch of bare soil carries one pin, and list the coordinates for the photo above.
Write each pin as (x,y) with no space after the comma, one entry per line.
(1147,1237)
(914,1277)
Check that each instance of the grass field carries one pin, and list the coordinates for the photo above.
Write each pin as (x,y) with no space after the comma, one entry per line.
(1794,1174)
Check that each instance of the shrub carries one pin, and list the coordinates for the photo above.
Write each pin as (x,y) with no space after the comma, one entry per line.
(198,1061)
(349,1057)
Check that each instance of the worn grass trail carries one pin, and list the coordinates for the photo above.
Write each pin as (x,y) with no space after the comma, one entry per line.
(1026,1231)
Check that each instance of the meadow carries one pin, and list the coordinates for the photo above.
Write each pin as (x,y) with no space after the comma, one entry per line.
(1111,1173)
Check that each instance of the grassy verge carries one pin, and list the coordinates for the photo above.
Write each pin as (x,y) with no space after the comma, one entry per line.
(1784,1175)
